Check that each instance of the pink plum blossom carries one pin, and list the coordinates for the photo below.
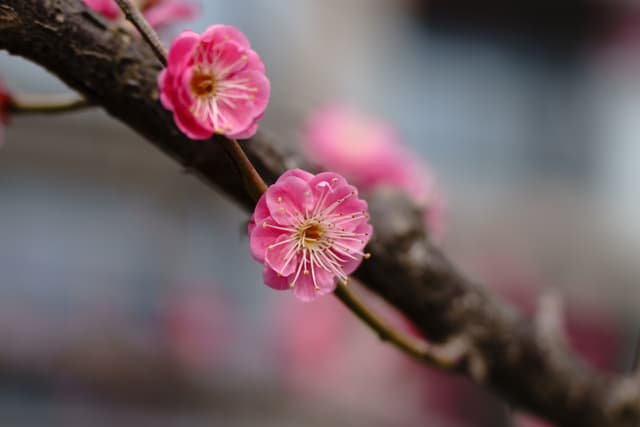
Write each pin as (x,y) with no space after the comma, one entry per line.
(369,152)
(5,104)
(214,83)
(197,325)
(309,230)
(159,13)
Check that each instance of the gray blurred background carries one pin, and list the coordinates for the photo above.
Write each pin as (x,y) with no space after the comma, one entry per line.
(111,256)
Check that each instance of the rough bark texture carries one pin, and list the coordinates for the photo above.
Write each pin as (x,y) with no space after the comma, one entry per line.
(498,348)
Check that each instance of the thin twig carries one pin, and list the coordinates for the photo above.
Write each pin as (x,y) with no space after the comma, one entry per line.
(253,182)
(46,104)
(134,15)
(417,349)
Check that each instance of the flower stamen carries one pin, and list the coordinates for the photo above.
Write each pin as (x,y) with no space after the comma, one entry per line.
(204,85)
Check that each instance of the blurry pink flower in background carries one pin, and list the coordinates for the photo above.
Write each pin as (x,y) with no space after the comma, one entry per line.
(326,355)
(196,326)
(369,153)
(5,103)
(365,149)
(162,13)
(309,230)
(107,8)
(214,83)
(619,43)
(159,13)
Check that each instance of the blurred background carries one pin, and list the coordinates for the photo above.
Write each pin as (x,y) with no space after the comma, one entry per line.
(127,292)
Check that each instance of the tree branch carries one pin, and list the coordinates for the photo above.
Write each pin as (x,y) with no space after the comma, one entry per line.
(501,350)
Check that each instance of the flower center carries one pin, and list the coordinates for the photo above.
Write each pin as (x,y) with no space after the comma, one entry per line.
(311,234)
(145,5)
(203,84)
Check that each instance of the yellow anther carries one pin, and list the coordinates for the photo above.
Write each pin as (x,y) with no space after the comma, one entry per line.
(367,255)
(279,199)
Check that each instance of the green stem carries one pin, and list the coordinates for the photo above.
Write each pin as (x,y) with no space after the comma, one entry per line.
(417,349)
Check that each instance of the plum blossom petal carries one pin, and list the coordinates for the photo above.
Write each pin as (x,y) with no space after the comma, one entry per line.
(304,175)
(309,231)
(247,133)
(182,47)
(261,237)
(260,213)
(306,290)
(219,33)
(288,201)
(274,280)
(281,255)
